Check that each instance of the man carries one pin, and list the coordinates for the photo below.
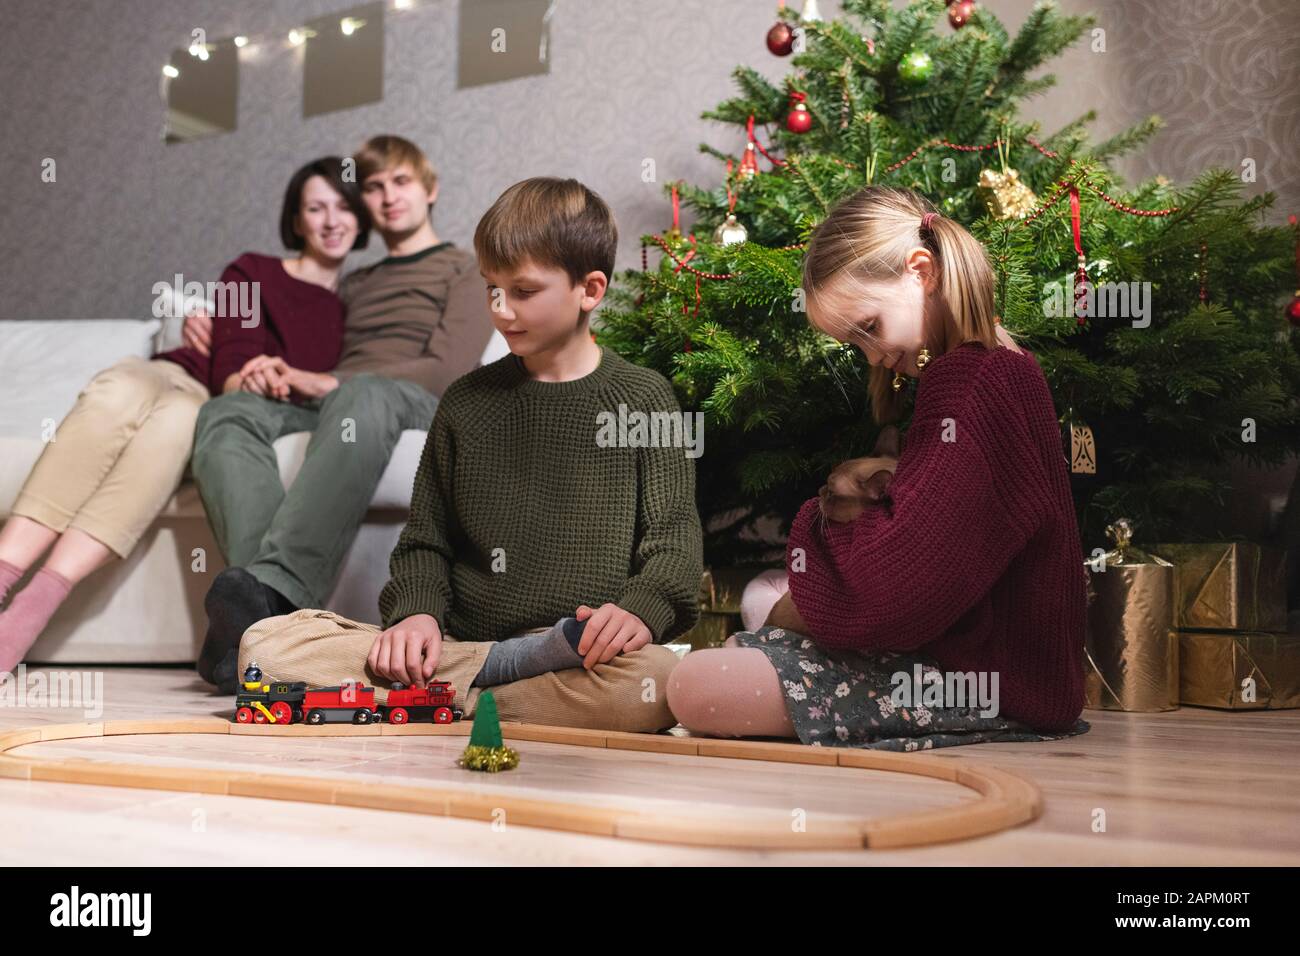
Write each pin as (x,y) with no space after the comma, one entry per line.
(416,321)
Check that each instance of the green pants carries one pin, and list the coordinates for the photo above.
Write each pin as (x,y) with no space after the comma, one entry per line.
(296,540)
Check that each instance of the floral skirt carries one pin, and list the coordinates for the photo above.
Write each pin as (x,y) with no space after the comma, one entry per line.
(851,699)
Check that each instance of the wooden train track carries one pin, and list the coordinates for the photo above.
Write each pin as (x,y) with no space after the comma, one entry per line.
(1005,800)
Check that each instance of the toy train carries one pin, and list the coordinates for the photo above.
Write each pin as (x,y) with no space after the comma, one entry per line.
(292,702)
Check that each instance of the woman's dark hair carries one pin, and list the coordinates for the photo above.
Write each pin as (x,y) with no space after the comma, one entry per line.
(330,168)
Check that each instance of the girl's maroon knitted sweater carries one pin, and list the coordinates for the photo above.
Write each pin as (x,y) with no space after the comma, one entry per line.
(975,558)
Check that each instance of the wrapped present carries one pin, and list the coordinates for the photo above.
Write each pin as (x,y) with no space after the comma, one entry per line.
(720,592)
(712,629)
(1240,670)
(1131,653)
(1229,585)
(721,588)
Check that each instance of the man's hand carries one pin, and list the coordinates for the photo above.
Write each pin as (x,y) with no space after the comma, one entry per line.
(196,332)
(311,384)
(408,651)
(610,631)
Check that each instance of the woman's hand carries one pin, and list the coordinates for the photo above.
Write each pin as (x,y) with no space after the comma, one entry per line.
(266,375)
(610,631)
(408,651)
(196,332)
(271,376)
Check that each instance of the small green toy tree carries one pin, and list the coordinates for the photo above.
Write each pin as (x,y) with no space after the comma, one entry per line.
(487,750)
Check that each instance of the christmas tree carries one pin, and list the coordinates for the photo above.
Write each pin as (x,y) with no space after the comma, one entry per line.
(1199,365)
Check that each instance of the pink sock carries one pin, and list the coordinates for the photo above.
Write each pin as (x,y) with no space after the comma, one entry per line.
(9,575)
(28,613)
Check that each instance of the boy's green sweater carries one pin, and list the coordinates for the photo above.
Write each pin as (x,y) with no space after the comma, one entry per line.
(519,515)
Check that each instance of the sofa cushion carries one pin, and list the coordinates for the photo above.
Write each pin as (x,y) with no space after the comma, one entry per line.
(45,365)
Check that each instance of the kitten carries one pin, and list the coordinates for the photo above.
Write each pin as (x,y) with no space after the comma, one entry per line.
(852,487)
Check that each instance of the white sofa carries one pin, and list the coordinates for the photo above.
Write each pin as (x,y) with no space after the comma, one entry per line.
(149,608)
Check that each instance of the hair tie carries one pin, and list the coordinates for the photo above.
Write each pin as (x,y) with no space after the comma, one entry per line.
(926,220)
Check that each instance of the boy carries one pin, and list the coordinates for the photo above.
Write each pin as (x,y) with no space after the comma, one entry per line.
(537,560)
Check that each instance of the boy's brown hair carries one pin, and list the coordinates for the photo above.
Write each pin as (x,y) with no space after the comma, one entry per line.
(554,222)
(388,152)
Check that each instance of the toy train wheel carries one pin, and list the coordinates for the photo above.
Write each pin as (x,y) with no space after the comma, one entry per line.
(282,712)
(315,716)
(442,715)
(244,715)
(259,717)
(361,716)
(398,715)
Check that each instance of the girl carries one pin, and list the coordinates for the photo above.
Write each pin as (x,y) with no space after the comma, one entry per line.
(968,572)
(121,451)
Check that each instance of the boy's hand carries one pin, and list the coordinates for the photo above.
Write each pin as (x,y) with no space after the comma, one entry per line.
(610,631)
(408,651)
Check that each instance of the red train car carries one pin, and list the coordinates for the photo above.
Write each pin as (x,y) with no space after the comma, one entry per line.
(347,703)
(420,703)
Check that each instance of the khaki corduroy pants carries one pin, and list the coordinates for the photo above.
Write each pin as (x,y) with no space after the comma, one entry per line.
(325,649)
(118,456)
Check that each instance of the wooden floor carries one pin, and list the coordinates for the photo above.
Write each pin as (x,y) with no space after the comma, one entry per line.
(1192,787)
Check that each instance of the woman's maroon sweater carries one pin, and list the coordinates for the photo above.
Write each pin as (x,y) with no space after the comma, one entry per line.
(975,558)
(299,321)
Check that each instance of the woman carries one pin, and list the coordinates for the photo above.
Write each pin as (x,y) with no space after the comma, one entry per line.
(964,568)
(122,450)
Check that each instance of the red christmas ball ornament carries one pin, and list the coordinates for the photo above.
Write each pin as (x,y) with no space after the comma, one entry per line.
(799,120)
(959,13)
(780,39)
(1293,310)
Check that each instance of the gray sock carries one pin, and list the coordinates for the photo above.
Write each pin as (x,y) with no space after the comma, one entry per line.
(522,657)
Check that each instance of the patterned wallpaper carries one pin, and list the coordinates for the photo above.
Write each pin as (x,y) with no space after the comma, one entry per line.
(628,79)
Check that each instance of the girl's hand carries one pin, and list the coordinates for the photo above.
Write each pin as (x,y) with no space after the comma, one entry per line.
(408,651)
(610,631)
(785,615)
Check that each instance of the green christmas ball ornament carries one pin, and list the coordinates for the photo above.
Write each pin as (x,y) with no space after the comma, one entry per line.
(915,67)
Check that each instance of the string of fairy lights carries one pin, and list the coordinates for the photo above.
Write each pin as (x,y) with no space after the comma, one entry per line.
(201,49)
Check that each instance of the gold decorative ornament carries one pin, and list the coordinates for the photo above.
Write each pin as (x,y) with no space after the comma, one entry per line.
(899,381)
(923,358)
(1005,196)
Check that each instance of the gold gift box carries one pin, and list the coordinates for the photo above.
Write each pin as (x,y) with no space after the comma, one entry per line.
(1130,645)
(1225,668)
(1228,585)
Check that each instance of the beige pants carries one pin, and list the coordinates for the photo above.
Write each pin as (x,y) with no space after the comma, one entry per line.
(118,455)
(324,649)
